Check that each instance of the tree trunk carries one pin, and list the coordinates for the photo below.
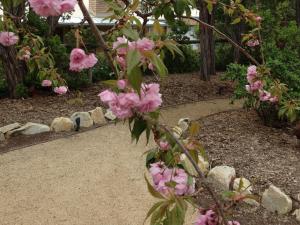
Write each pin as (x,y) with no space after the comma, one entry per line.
(207,44)
(237,37)
(13,69)
(52,22)
(298,12)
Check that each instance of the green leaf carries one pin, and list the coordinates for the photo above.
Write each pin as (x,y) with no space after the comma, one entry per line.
(135,78)
(152,191)
(179,6)
(158,63)
(153,209)
(139,127)
(157,27)
(133,59)
(130,33)
(236,21)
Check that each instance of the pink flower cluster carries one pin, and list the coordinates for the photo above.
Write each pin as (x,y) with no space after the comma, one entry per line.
(52,7)
(26,55)
(123,105)
(252,43)
(61,90)
(8,38)
(123,45)
(79,60)
(46,83)
(256,85)
(211,218)
(162,175)
(164,145)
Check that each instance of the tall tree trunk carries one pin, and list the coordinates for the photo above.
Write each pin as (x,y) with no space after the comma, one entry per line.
(237,37)
(52,22)
(207,43)
(298,12)
(14,69)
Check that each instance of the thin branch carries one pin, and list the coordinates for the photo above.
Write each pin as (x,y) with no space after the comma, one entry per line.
(251,58)
(199,172)
(98,35)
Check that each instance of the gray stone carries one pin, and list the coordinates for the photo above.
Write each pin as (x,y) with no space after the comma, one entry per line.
(221,176)
(2,137)
(85,119)
(184,124)
(9,127)
(97,116)
(62,124)
(274,200)
(30,129)
(110,115)
(245,189)
(297,214)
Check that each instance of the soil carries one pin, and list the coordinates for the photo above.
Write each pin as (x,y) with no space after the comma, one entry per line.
(44,107)
(261,154)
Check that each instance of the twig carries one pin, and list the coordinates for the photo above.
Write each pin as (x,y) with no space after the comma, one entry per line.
(196,167)
(98,35)
(253,60)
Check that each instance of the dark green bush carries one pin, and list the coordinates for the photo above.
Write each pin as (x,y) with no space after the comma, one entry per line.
(3,84)
(224,55)
(102,70)
(178,64)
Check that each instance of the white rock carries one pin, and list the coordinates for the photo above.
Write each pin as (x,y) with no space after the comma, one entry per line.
(221,176)
(183,123)
(110,115)
(30,129)
(9,127)
(85,119)
(2,137)
(97,116)
(62,124)
(297,214)
(246,189)
(274,200)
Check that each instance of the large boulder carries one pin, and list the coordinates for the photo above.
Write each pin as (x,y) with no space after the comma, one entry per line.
(274,200)
(85,119)
(221,177)
(62,124)
(9,127)
(97,116)
(30,129)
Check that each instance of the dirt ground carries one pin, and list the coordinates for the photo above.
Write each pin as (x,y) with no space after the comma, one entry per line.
(43,108)
(262,154)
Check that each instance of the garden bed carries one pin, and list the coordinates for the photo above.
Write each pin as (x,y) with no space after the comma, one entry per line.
(261,154)
(176,89)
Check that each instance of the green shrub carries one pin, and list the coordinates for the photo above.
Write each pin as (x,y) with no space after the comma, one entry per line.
(102,70)
(224,55)
(76,80)
(178,64)
(21,91)
(3,83)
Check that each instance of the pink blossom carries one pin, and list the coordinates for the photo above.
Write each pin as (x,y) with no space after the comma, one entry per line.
(257,85)
(150,66)
(107,96)
(252,43)
(251,73)
(162,175)
(145,44)
(233,223)
(274,99)
(52,7)
(61,90)
(264,95)
(164,145)
(123,49)
(121,84)
(209,218)
(258,19)
(46,83)
(67,5)
(90,61)
(150,98)
(122,61)
(79,60)
(8,38)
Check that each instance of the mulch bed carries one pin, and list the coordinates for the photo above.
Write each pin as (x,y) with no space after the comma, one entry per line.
(262,154)
(43,108)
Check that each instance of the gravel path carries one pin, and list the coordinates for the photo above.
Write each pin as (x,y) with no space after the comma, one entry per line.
(93,178)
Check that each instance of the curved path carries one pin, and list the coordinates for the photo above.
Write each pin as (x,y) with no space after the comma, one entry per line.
(93,178)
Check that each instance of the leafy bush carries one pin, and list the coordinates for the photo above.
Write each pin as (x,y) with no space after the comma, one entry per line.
(102,70)
(3,84)
(178,64)
(224,55)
